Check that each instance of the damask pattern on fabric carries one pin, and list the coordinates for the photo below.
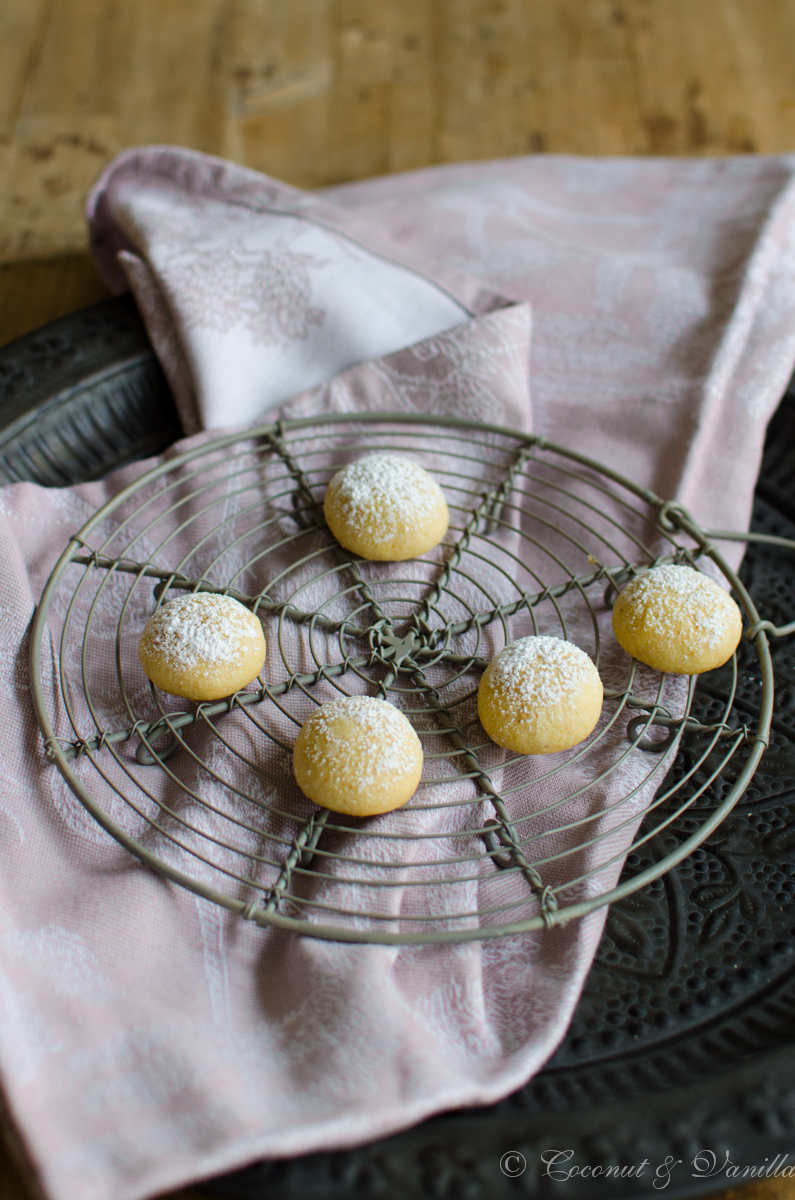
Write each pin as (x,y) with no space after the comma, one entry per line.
(180,1041)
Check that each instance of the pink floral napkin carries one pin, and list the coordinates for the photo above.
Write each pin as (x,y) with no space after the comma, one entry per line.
(147,1037)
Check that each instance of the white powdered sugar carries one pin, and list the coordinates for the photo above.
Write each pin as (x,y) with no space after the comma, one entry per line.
(390,750)
(533,674)
(669,595)
(386,487)
(201,630)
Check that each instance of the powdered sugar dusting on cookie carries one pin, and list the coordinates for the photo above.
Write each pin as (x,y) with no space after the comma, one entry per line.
(389,750)
(534,674)
(201,630)
(385,490)
(671,594)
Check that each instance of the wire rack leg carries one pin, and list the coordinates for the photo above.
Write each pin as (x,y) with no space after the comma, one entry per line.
(303,850)
(503,826)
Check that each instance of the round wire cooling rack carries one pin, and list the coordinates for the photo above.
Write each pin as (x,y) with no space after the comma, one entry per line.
(540,540)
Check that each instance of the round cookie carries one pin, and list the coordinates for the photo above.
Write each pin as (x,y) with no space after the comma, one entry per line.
(677,620)
(540,695)
(386,507)
(358,756)
(202,646)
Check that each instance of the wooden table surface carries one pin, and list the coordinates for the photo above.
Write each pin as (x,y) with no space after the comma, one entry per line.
(321,91)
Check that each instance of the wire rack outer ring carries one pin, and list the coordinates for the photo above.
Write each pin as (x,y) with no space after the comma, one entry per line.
(670,516)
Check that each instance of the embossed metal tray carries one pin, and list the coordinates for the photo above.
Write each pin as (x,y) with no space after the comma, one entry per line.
(684,1038)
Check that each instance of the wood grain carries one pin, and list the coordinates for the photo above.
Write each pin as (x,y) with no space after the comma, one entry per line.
(321,91)
(35,291)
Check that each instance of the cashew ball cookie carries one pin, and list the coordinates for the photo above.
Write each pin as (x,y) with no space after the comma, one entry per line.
(540,695)
(387,508)
(358,756)
(677,620)
(202,646)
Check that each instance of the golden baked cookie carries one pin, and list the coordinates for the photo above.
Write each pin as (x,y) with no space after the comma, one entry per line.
(358,756)
(540,695)
(202,646)
(386,507)
(678,620)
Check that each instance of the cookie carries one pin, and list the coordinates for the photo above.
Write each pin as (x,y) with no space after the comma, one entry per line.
(358,756)
(540,695)
(202,646)
(677,620)
(387,508)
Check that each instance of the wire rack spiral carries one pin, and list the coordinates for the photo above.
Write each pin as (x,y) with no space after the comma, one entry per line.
(492,843)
